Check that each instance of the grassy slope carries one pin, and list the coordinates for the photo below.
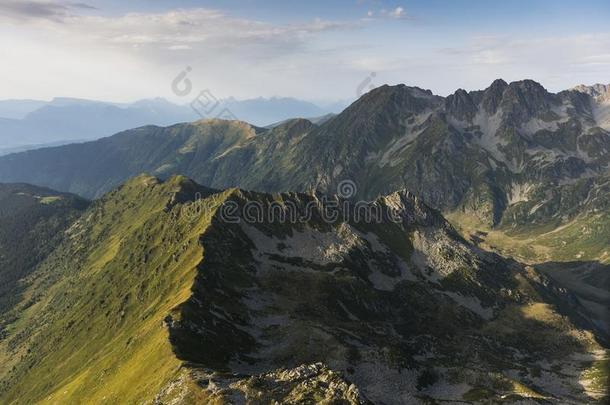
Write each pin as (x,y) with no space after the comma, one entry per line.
(576,254)
(93,168)
(117,285)
(95,333)
(583,238)
(32,221)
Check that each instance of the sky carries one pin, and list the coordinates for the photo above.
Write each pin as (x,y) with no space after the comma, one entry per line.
(321,51)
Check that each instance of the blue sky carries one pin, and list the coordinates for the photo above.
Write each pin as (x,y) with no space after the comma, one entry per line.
(315,50)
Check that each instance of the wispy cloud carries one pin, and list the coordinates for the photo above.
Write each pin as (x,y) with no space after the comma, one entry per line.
(239,54)
(83,6)
(541,51)
(397,13)
(137,54)
(188,27)
(39,10)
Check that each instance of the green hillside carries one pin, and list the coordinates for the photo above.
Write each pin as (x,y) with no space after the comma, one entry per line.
(156,295)
(513,153)
(32,223)
(91,328)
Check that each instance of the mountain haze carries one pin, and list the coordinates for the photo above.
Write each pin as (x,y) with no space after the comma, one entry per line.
(31,124)
(512,153)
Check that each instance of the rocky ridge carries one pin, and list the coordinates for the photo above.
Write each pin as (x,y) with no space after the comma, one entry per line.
(208,304)
(513,147)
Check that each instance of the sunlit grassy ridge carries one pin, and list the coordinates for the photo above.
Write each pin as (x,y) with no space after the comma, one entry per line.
(154,296)
(97,334)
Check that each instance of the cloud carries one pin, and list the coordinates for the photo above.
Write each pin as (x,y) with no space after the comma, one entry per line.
(179,47)
(39,10)
(83,6)
(139,54)
(595,60)
(398,12)
(543,51)
(32,10)
(193,27)
(234,56)
(200,30)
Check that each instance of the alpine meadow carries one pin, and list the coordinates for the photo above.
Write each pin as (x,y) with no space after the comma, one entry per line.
(261,202)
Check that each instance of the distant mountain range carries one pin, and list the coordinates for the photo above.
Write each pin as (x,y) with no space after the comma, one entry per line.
(29,124)
(513,153)
(19,109)
(169,290)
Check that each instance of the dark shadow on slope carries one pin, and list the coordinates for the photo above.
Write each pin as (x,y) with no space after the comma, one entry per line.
(32,222)
(589,301)
(251,313)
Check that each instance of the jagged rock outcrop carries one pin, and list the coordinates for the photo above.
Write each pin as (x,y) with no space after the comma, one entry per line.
(485,152)
(175,293)
(600,92)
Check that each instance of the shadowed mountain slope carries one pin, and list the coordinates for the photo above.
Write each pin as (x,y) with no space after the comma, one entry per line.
(169,291)
(32,223)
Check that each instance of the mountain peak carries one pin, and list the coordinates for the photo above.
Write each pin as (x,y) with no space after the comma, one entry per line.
(295,126)
(461,105)
(600,92)
(526,98)
(176,189)
(498,83)
(402,97)
(492,96)
(527,85)
(528,91)
(374,119)
(401,88)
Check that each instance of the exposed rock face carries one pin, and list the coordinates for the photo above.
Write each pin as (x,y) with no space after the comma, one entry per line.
(492,96)
(175,293)
(600,92)
(357,296)
(461,105)
(468,151)
(308,383)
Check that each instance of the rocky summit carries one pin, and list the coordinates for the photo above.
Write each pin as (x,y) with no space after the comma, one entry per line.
(512,153)
(170,292)
(338,203)
(352,288)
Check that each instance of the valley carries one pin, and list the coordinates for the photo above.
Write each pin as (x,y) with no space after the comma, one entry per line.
(144,290)
(341,202)
(152,285)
